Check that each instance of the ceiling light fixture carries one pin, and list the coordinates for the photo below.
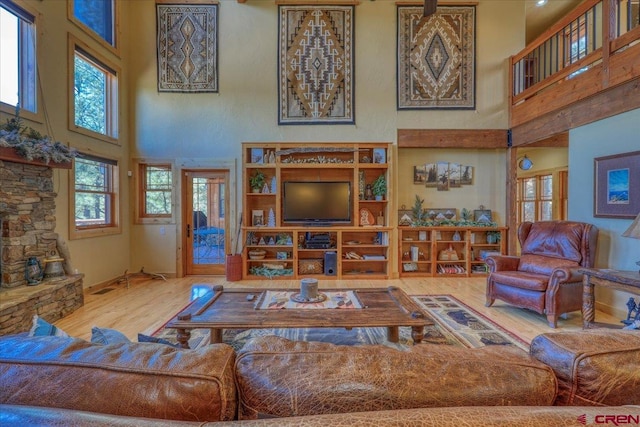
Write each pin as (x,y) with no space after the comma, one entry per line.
(430,7)
(541,2)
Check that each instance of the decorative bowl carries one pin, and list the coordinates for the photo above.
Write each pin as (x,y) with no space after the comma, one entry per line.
(257,254)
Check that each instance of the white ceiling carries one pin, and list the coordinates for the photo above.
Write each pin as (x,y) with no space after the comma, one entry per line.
(539,18)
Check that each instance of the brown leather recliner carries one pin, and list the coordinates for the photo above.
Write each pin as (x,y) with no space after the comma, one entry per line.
(545,277)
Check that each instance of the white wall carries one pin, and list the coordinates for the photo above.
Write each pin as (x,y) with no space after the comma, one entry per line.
(618,134)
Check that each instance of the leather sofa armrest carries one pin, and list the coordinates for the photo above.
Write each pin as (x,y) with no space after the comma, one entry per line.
(502,263)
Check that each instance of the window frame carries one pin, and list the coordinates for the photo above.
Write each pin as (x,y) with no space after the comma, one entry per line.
(36,115)
(112,112)
(139,186)
(558,198)
(115,225)
(115,48)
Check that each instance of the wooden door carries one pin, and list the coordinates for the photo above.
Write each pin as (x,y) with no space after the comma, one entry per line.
(206,231)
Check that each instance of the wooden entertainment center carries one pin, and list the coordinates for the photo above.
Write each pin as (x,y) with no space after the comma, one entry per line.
(357,248)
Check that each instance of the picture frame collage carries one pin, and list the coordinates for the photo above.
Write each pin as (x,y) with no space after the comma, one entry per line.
(443,175)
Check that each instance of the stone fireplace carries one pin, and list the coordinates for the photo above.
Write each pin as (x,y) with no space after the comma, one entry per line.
(27,219)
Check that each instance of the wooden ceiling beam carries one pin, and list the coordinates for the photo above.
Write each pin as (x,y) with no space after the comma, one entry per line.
(610,102)
(452,138)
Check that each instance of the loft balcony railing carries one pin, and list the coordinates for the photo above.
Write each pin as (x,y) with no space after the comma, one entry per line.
(596,46)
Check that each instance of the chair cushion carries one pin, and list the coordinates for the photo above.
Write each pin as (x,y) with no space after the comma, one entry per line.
(139,380)
(545,265)
(522,280)
(555,239)
(282,378)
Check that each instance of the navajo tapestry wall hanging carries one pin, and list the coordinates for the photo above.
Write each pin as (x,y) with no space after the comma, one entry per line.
(436,58)
(315,65)
(187,47)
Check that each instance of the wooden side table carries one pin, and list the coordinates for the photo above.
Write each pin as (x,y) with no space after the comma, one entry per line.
(628,281)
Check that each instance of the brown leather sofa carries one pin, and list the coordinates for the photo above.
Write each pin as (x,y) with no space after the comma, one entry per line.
(544,278)
(66,381)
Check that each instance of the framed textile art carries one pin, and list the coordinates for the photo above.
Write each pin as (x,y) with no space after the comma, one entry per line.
(436,58)
(187,47)
(617,186)
(315,64)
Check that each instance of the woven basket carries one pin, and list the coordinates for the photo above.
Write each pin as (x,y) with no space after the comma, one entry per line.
(310,266)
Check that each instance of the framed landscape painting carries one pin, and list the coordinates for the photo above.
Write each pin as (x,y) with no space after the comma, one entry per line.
(617,185)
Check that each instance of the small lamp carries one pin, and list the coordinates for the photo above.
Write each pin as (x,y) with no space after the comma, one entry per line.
(633,231)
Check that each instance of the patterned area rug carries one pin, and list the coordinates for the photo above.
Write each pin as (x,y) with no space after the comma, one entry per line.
(187,48)
(455,324)
(315,64)
(436,58)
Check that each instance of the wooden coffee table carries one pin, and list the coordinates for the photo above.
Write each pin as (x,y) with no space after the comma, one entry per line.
(236,309)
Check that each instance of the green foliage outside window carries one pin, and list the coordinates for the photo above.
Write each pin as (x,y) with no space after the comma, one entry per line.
(90,96)
(93,193)
(157,200)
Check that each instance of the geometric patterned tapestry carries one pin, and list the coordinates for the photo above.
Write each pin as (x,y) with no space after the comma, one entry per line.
(315,65)
(187,48)
(436,58)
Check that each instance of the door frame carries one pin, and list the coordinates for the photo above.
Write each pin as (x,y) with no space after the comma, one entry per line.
(183,165)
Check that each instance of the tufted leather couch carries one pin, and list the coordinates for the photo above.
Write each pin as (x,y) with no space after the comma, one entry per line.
(66,381)
(545,277)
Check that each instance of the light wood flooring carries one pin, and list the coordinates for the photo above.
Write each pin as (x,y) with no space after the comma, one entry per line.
(148,303)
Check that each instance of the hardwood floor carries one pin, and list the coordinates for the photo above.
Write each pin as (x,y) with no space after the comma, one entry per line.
(148,303)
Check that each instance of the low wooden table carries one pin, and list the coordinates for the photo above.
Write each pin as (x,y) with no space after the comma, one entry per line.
(236,309)
(628,281)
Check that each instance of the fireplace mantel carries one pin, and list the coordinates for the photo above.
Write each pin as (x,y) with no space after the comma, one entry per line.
(11,155)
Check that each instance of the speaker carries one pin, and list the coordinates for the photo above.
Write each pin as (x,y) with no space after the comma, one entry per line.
(330,264)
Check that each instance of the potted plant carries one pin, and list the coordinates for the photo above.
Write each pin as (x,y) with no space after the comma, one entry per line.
(379,187)
(493,237)
(256,181)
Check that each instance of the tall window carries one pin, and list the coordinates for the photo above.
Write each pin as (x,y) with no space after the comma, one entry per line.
(17,57)
(95,196)
(97,17)
(156,191)
(94,96)
(537,196)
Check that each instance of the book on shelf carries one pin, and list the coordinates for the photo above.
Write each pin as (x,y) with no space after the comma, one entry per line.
(374,257)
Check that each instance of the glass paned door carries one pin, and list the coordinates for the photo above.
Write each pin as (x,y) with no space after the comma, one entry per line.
(206,232)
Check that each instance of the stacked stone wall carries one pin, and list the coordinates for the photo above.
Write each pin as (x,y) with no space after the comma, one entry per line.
(52,300)
(27,213)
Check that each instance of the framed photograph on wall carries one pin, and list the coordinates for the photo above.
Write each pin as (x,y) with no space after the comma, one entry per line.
(616,189)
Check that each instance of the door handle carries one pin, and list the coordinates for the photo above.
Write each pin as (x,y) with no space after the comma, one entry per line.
(188,230)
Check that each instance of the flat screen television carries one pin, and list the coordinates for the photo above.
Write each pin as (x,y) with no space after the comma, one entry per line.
(316,202)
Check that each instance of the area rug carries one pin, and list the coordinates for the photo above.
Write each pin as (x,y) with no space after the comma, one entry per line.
(187,47)
(315,64)
(455,323)
(436,58)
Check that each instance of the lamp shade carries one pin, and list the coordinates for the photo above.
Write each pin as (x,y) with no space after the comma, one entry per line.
(634,229)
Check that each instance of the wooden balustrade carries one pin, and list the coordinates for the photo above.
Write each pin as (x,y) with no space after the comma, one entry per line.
(594,48)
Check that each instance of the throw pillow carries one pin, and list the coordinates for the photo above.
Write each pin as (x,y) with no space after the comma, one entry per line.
(107,336)
(43,328)
(147,338)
